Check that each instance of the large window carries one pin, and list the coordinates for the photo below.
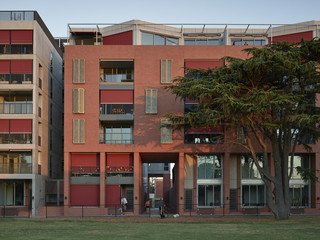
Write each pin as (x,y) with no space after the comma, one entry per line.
(15,162)
(16,71)
(209,195)
(16,103)
(209,167)
(299,189)
(155,39)
(116,133)
(253,189)
(11,193)
(15,131)
(249,42)
(209,180)
(116,71)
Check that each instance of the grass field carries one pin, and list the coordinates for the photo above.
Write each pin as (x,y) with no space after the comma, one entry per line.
(155,228)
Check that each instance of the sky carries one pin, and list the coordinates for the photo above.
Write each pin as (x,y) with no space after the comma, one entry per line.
(56,14)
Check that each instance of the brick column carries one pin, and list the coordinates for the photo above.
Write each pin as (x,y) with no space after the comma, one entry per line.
(67,175)
(102,181)
(137,181)
(226,183)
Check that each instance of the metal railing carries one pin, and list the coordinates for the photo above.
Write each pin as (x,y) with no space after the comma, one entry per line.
(116,138)
(16,78)
(16,108)
(79,171)
(15,138)
(116,109)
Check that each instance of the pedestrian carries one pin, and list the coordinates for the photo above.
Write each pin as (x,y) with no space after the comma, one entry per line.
(162,209)
(124,204)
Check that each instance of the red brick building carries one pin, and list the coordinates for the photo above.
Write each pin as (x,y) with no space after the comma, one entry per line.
(114,106)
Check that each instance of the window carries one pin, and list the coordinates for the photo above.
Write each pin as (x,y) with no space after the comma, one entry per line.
(15,163)
(250,42)
(16,71)
(16,42)
(209,167)
(11,193)
(209,195)
(241,138)
(202,41)
(117,71)
(166,131)
(253,195)
(78,128)
(298,188)
(116,133)
(155,39)
(248,167)
(166,71)
(151,100)
(78,100)
(78,71)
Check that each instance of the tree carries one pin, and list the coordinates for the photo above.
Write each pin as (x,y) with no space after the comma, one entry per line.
(271,97)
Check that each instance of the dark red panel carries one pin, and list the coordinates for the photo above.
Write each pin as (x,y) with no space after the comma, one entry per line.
(5,67)
(217,129)
(124,38)
(113,195)
(86,159)
(5,36)
(4,125)
(204,64)
(21,36)
(21,126)
(295,37)
(21,66)
(116,96)
(86,195)
(119,160)
(188,100)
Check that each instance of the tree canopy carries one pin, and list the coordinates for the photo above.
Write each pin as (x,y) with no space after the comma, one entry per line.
(271,96)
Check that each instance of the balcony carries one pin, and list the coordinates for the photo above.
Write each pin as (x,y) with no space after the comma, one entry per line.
(15,138)
(15,168)
(16,49)
(116,71)
(16,108)
(16,78)
(119,175)
(116,112)
(116,138)
(85,171)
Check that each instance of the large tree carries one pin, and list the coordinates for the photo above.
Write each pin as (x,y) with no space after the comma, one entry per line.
(271,97)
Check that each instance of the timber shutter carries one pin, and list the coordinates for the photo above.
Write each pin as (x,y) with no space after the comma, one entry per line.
(166,71)
(78,71)
(78,128)
(166,132)
(78,100)
(151,100)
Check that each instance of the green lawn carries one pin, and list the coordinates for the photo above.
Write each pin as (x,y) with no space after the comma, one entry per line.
(155,228)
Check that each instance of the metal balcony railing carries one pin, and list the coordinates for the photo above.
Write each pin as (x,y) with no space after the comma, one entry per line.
(78,171)
(16,108)
(116,109)
(15,168)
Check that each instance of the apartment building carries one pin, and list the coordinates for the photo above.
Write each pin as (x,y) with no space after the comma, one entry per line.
(114,109)
(31,112)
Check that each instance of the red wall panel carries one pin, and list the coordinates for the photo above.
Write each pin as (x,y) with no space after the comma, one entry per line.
(124,38)
(5,67)
(295,37)
(119,160)
(21,66)
(21,36)
(87,195)
(4,125)
(21,126)
(113,195)
(85,159)
(5,36)
(204,64)
(116,96)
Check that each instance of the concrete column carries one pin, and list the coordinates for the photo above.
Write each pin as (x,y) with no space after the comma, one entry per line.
(226,183)
(67,175)
(137,181)
(317,185)
(180,183)
(102,180)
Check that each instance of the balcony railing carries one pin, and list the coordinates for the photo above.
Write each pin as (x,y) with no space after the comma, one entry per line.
(15,138)
(15,168)
(123,171)
(16,108)
(116,138)
(16,48)
(16,78)
(79,171)
(116,109)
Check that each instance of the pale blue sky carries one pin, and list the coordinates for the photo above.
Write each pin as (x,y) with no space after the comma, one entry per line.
(58,13)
